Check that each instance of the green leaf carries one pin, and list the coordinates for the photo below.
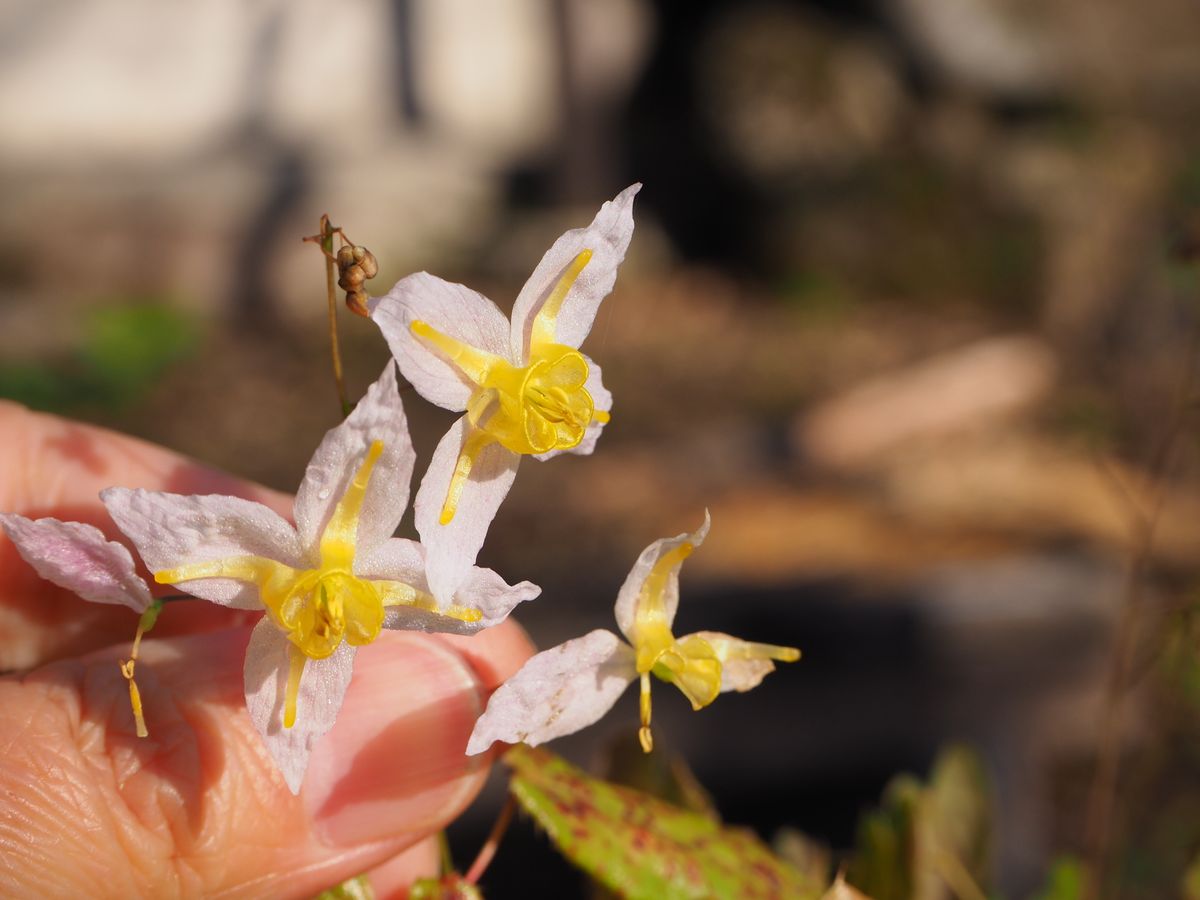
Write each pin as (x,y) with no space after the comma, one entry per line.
(642,847)
(658,773)
(884,865)
(448,887)
(1066,881)
(127,347)
(928,842)
(355,889)
(1191,881)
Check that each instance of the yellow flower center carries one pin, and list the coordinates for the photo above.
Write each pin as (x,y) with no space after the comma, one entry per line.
(532,409)
(690,663)
(318,608)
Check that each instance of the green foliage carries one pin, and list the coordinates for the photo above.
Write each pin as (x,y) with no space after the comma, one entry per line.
(1191,881)
(1065,882)
(127,347)
(928,842)
(448,887)
(121,352)
(354,889)
(659,774)
(642,847)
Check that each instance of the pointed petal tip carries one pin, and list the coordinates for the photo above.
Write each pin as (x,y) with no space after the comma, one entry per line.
(477,744)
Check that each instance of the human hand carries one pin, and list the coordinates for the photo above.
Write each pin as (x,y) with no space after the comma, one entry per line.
(89,809)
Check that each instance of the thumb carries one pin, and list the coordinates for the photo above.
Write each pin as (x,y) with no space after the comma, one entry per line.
(89,809)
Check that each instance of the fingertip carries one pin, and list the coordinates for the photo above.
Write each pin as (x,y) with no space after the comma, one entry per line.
(394,879)
(394,763)
(496,654)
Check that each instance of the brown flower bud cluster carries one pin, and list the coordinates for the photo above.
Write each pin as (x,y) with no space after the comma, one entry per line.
(356,265)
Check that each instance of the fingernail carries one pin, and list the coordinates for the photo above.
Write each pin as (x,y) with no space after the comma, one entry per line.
(394,762)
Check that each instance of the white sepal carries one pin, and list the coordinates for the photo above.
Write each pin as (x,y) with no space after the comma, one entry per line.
(626,608)
(379,416)
(608,238)
(557,692)
(322,689)
(79,558)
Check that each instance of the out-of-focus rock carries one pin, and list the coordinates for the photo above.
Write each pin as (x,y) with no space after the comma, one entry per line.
(1139,56)
(977,386)
(981,45)
(1025,485)
(786,95)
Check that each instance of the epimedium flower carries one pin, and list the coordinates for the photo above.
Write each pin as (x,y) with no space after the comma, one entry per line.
(328,585)
(525,388)
(568,687)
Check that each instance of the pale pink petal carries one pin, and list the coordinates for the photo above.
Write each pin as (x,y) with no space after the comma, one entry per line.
(451,549)
(457,312)
(627,598)
(602,400)
(482,589)
(379,416)
(79,558)
(559,691)
(738,672)
(171,530)
(322,688)
(608,238)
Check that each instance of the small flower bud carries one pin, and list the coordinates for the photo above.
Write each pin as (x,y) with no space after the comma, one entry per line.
(366,261)
(351,278)
(356,302)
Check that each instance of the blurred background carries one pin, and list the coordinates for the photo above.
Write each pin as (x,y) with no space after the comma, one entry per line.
(911,307)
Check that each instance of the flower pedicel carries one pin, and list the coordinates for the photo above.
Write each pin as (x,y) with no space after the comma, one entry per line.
(568,687)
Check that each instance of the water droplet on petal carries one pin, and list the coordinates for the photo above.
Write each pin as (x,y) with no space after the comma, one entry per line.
(323,493)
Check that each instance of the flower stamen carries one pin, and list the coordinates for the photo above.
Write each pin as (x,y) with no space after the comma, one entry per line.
(318,608)
(532,409)
(546,321)
(296,660)
(644,736)
(145,623)
(472,447)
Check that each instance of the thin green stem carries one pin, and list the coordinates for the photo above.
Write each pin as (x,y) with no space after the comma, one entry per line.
(327,233)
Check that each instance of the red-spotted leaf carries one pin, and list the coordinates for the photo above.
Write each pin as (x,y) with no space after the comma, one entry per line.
(641,847)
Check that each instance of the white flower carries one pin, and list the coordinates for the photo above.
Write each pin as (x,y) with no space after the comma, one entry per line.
(328,585)
(570,686)
(79,558)
(525,387)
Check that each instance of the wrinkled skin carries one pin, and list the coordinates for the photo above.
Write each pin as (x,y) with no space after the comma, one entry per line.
(88,809)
